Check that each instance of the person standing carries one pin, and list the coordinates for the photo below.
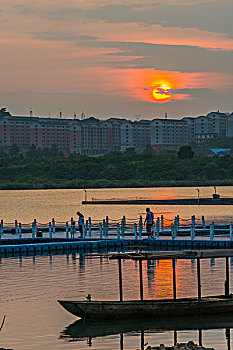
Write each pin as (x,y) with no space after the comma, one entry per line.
(149,220)
(80,223)
(72,230)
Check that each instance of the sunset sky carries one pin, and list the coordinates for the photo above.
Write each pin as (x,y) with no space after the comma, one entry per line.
(121,58)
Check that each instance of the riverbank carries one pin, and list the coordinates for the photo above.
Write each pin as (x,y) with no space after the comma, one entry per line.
(103,183)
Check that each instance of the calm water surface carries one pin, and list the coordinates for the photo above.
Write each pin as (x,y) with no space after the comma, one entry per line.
(30,286)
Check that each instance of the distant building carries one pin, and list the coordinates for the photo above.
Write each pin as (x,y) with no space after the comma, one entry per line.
(169,134)
(93,137)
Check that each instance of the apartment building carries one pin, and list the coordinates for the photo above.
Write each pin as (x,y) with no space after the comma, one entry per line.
(135,134)
(169,133)
(91,136)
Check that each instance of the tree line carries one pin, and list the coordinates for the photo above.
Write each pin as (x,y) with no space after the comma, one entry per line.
(51,169)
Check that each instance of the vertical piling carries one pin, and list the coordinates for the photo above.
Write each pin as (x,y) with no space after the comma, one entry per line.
(141,279)
(107,226)
(84,230)
(203,222)
(101,230)
(89,227)
(135,231)
(174,278)
(50,230)
(1,230)
(16,227)
(20,230)
(122,228)
(192,231)
(212,231)
(162,223)
(53,225)
(67,229)
(227,282)
(118,231)
(230,229)
(199,278)
(120,279)
(154,232)
(35,228)
(172,231)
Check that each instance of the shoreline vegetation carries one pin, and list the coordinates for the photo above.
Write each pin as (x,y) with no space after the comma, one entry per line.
(53,170)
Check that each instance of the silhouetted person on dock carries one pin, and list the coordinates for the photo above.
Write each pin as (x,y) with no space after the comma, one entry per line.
(149,222)
(72,230)
(80,223)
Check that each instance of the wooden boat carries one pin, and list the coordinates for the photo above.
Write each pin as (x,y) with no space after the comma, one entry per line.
(220,304)
(149,308)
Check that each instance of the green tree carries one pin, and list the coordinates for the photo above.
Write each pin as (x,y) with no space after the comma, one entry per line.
(13,150)
(185,152)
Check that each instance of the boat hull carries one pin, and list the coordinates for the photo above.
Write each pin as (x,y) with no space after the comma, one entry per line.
(149,308)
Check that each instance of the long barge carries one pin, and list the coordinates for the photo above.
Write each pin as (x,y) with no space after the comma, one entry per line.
(180,201)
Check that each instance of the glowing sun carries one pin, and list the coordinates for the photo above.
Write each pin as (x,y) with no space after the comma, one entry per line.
(162,92)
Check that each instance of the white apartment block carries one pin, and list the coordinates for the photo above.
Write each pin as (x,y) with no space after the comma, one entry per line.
(169,133)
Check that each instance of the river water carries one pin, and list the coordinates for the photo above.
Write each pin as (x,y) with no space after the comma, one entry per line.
(30,286)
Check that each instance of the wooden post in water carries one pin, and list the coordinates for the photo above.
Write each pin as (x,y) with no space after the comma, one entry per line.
(212,231)
(154,232)
(101,230)
(121,341)
(122,228)
(84,230)
(33,230)
(120,279)
(67,229)
(20,230)
(118,231)
(89,227)
(178,222)
(192,231)
(50,230)
(53,225)
(1,230)
(203,222)
(172,231)
(199,278)
(200,336)
(107,226)
(161,223)
(104,228)
(140,227)
(228,337)
(230,229)
(157,227)
(135,231)
(193,220)
(174,278)
(16,227)
(141,279)
(227,282)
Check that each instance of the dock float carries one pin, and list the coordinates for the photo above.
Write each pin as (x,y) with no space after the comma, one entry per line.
(56,246)
(181,201)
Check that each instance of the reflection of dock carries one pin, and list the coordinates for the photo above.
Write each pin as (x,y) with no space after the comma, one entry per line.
(181,201)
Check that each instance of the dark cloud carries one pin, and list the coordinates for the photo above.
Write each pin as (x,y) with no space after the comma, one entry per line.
(167,57)
(48,36)
(212,16)
(51,13)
